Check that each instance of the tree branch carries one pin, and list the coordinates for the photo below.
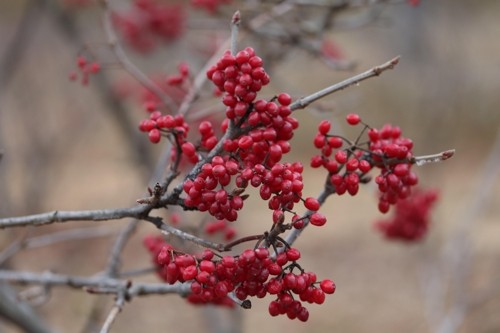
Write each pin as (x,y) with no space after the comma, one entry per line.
(138,211)
(375,71)
(117,308)
(94,284)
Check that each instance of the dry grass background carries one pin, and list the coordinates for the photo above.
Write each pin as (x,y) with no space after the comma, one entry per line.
(62,150)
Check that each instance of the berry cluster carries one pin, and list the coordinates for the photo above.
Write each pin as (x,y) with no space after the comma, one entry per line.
(220,226)
(86,68)
(240,77)
(208,139)
(391,153)
(158,125)
(411,217)
(209,5)
(348,162)
(269,127)
(204,194)
(147,20)
(179,79)
(253,273)
(252,156)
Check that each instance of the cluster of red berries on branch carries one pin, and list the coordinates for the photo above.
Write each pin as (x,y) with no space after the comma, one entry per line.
(147,21)
(175,127)
(256,136)
(411,218)
(348,163)
(248,151)
(210,5)
(86,68)
(253,273)
(251,156)
(221,227)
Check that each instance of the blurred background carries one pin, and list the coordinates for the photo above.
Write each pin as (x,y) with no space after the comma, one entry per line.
(66,146)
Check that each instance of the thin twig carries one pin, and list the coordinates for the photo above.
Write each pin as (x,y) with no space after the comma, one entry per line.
(138,212)
(375,71)
(167,229)
(84,215)
(235,28)
(434,158)
(117,308)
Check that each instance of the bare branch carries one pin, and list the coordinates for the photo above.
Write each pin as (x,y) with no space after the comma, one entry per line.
(117,308)
(375,71)
(94,284)
(138,211)
(167,229)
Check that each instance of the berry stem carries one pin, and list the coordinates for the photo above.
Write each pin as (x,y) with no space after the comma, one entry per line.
(229,246)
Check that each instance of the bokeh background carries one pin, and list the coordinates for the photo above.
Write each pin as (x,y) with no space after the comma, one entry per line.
(66,147)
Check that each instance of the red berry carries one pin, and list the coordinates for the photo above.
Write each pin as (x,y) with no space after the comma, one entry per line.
(188,148)
(341,156)
(303,314)
(274,308)
(328,286)
(335,142)
(317,219)
(154,135)
(353,119)
(293,254)
(94,68)
(242,57)
(319,141)
(311,204)
(284,99)
(189,273)
(324,127)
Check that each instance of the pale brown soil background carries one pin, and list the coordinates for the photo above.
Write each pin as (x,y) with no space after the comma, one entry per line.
(62,150)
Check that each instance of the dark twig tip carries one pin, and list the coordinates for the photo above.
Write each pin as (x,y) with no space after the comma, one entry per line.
(246,304)
(448,154)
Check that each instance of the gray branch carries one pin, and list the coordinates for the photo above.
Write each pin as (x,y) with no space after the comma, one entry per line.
(138,211)
(375,71)
(94,284)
